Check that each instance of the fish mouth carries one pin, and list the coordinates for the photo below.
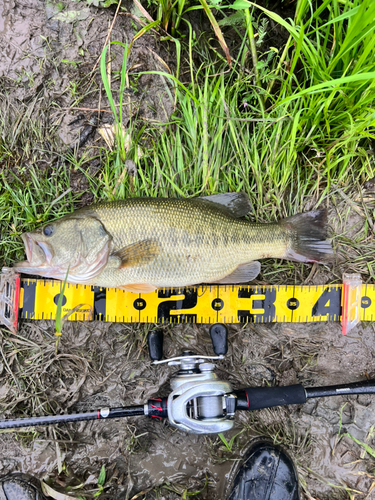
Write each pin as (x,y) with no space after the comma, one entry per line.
(41,261)
(28,242)
(38,255)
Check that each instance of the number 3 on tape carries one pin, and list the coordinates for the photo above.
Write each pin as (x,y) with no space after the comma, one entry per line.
(37,299)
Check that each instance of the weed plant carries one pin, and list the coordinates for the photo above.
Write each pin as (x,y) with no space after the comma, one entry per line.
(292,126)
(308,145)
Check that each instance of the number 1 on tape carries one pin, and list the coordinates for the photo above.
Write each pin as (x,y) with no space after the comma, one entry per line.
(34,299)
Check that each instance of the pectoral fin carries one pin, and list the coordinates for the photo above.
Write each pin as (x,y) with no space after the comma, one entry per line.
(138,253)
(142,288)
(242,274)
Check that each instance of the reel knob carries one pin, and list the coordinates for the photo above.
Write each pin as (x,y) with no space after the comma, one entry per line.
(219,338)
(155,344)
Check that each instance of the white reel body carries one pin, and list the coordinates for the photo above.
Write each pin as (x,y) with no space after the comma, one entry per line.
(199,402)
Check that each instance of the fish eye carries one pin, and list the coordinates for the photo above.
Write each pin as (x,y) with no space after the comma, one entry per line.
(48,231)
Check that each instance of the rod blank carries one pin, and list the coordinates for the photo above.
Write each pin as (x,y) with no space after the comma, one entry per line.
(363,387)
(103,413)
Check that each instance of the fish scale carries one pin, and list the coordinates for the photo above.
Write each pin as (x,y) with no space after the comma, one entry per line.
(147,243)
(198,243)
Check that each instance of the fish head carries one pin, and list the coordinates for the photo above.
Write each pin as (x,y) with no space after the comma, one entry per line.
(79,246)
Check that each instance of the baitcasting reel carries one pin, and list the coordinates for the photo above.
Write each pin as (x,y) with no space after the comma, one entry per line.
(199,402)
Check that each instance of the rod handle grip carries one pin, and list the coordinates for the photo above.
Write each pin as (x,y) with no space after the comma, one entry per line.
(256,398)
(362,387)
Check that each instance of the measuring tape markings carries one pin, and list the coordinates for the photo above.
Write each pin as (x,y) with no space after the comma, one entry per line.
(202,304)
(368,300)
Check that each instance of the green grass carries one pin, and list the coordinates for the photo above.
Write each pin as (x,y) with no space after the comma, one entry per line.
(310,145)
(317,126)
(27,199)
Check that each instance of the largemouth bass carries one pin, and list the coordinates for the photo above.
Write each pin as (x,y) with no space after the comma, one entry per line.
(141,244)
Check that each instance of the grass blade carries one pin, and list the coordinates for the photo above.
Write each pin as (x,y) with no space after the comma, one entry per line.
(217,30)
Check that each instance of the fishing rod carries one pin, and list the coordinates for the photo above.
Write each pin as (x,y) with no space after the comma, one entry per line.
(200,403)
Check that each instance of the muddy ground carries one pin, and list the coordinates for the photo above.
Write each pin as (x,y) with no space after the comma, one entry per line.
(107,365)
(48,53)
(50,68)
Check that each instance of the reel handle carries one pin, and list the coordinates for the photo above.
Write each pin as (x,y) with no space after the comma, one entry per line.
(218,333)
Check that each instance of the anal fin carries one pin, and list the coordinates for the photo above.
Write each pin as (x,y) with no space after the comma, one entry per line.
(242,274)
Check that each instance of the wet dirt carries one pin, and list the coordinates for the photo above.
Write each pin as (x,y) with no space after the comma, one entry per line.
(48,52)
(52,49)
(141,454)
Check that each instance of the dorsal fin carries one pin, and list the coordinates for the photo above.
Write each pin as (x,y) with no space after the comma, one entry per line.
(235,204)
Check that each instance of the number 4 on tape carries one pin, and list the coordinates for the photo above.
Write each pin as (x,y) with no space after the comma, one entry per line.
(37,299)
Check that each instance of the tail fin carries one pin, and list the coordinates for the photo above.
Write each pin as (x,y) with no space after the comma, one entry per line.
(308,233)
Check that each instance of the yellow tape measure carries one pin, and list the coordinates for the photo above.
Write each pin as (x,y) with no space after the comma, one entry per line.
(201,304)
